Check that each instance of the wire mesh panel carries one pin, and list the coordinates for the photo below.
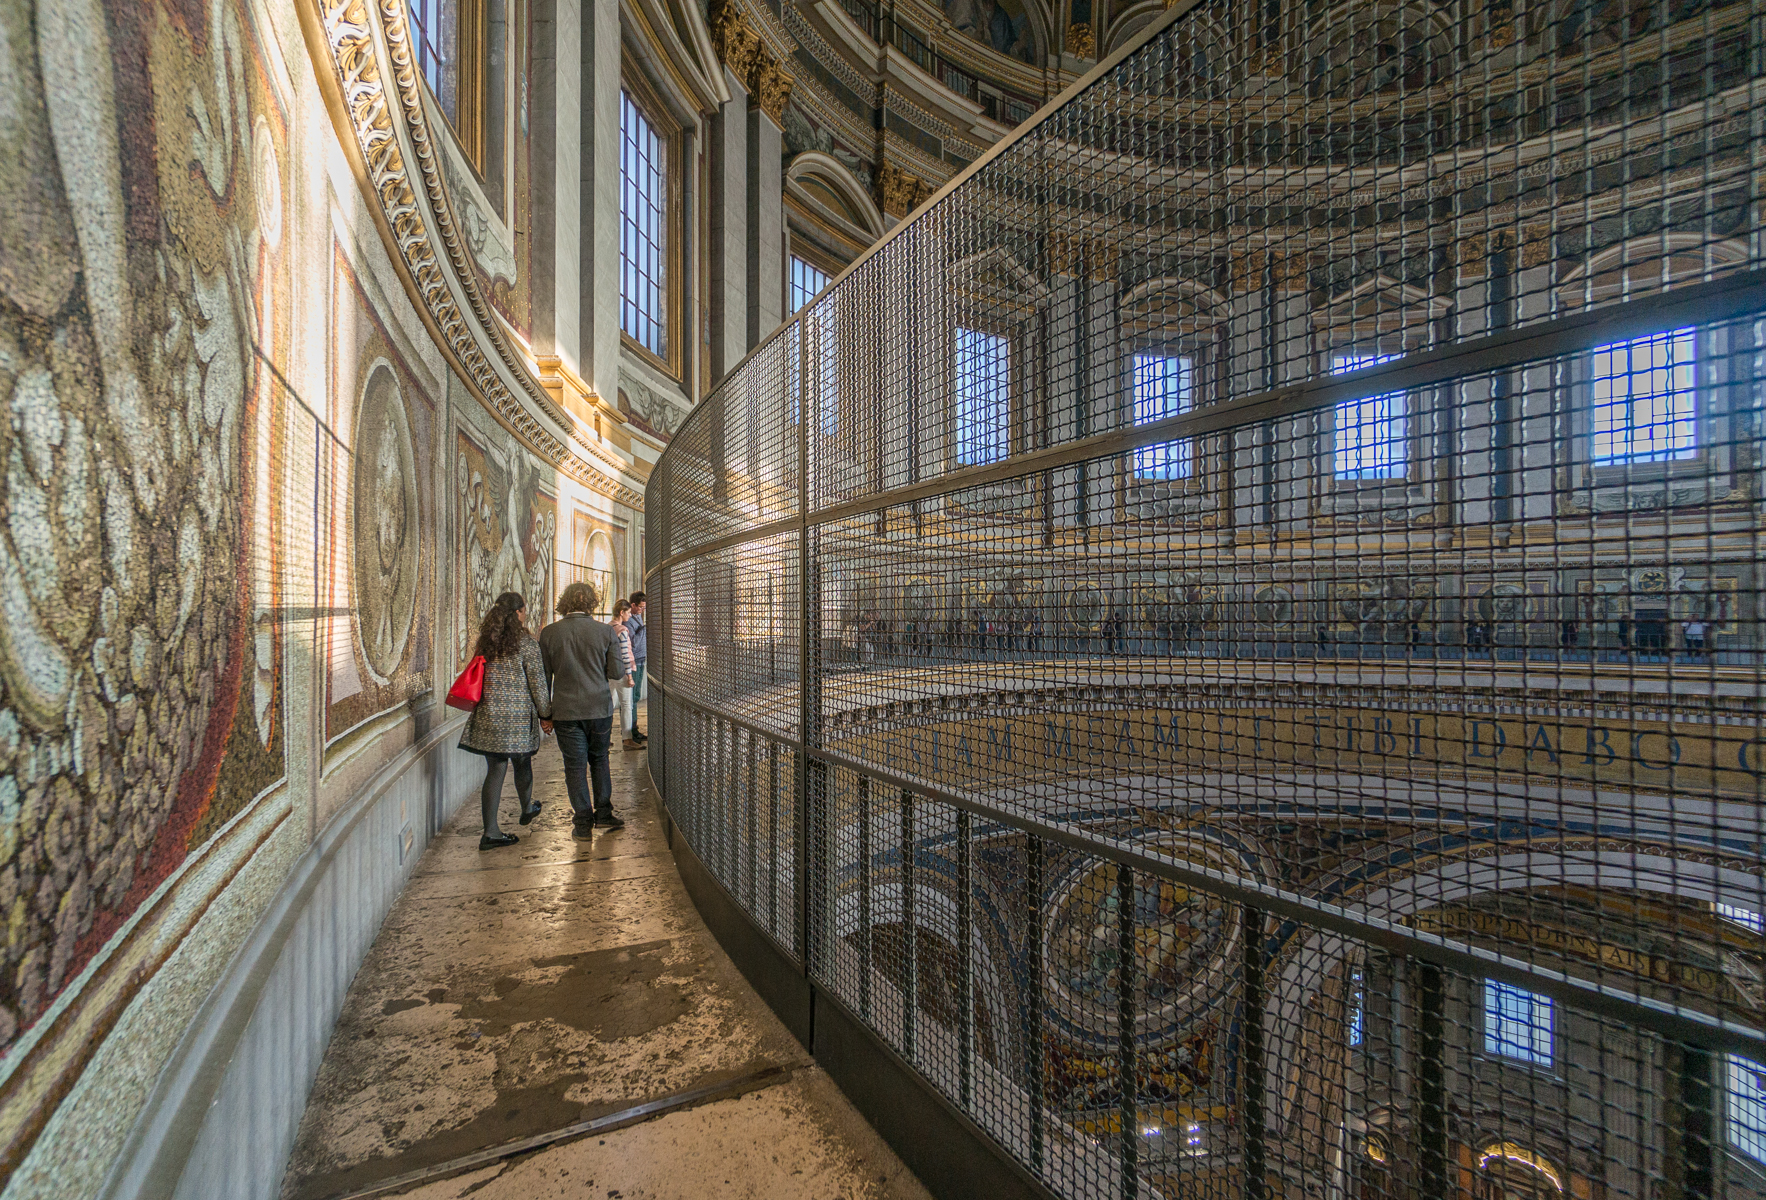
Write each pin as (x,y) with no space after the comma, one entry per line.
(1263,673)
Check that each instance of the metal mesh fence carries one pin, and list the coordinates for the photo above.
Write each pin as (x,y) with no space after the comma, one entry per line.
(1232,640)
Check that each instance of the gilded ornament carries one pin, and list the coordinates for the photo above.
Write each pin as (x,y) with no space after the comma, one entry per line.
(737,44)
(771,87)
(1080,41)
(346,30)
(899,192)
(1536,245)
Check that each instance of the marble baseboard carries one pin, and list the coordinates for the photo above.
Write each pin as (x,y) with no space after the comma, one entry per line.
(225,1111)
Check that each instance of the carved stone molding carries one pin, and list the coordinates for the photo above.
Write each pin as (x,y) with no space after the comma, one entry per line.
(1069,254)
(899,192)
(737,44)
(748,58)
(369,114)
(1536,248)
(772,87)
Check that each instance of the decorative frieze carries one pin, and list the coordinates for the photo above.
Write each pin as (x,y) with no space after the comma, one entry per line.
(1536,245)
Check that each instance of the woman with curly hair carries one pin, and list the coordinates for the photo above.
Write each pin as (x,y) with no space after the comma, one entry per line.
(505,727)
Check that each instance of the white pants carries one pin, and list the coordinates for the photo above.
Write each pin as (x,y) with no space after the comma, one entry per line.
(622,703)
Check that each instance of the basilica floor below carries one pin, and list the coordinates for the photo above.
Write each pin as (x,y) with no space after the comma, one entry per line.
(554,1019)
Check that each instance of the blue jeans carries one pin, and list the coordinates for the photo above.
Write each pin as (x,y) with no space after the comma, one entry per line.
(584,746)
(632,697)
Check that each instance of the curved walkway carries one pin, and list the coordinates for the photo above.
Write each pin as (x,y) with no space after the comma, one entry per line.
(570,987)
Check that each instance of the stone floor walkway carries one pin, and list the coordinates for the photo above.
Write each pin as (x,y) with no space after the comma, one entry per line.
(517,992)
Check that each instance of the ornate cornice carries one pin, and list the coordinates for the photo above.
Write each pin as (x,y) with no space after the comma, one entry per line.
(368,113)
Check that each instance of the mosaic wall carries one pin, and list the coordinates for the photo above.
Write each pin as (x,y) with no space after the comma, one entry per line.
(383,526)
(247,515)
(507,533)
(145,278)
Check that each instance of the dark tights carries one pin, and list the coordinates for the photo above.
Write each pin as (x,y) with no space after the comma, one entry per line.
(492,795)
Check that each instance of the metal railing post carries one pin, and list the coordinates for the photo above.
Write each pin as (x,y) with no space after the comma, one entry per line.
(965,963)
(811,833)
(911,997)
(1034,1037)
(1253,1068)
(772,829)
(1431,1116)
(864,896)
(1127,1067)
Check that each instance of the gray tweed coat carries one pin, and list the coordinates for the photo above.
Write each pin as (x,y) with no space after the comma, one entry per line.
(507,719)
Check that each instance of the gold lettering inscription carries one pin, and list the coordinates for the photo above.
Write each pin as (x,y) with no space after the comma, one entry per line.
(1640,754)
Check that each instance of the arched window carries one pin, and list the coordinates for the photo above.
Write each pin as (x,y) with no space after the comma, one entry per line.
(1509,1171)
(649,231)
(807,280)
(1369,435)
(1164,386)
(643,214)
(448,40)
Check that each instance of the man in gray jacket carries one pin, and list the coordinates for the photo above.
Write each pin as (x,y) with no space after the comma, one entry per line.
(581,657)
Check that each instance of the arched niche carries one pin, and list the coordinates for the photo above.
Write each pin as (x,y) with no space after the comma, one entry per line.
(822,180)
(1642,266)
(1021,30)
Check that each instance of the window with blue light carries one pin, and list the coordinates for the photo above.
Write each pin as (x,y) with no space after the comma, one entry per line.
(1518,1023)
(1370,432)
(643,201)
(1164,386)
(828,367)
(1357,1009)
(824,346)
(806,281)
(983,411)
(1643,395)
(1747,918)
(429,22)
(1745,1112)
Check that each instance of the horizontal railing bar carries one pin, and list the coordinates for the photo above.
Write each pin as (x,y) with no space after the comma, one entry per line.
(1702,303)
(1667,1020)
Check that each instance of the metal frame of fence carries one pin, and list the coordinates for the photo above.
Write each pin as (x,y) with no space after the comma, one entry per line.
(1356,801)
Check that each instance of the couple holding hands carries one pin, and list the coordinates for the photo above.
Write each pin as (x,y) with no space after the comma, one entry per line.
(561,683)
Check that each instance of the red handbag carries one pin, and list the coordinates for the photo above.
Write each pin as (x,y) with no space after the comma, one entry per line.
(468,690)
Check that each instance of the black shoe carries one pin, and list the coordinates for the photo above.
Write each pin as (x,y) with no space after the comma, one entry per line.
(638,737)
(528,814)
(609,821)
(493,841)
(583,830)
